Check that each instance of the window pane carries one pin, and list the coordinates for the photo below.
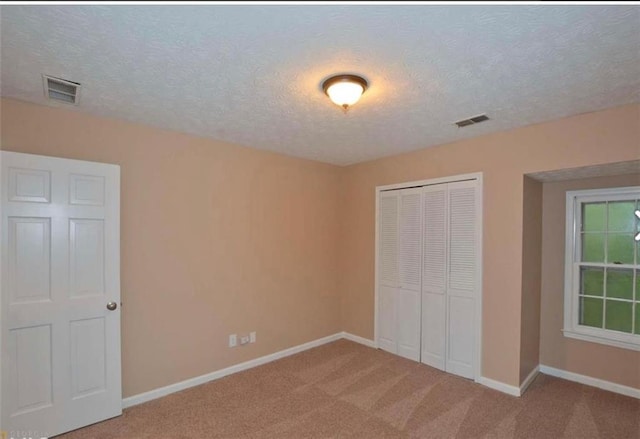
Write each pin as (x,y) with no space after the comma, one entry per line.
(591,312)
(620,283)
(593,217)
(619,316)
(621,216)
(637,330)
(593,247)
(592,281)
(638,285)
(620,248)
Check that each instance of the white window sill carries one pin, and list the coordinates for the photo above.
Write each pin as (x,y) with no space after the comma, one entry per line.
(623,341)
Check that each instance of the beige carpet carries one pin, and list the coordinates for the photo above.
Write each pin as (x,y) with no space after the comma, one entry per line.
(347,390)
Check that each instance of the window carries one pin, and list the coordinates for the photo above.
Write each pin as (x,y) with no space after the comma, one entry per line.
(602,268)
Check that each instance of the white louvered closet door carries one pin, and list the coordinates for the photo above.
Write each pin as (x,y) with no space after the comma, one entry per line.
(410,263)
(428,274)
(462,284)
(388,280)
(434,275)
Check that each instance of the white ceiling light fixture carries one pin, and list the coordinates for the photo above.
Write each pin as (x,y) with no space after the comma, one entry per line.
(345,90)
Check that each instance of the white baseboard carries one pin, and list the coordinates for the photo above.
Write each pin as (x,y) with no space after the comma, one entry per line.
(488,382)
(589,381)
(358,339)
(529,379)
(508,388)
(500,386)
(196,381)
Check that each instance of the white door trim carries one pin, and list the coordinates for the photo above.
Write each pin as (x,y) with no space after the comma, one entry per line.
(478,176)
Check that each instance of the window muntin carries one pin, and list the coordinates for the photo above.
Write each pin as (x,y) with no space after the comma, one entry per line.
(603,278)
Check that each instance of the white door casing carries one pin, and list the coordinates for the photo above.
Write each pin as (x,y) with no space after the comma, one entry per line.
(59,343)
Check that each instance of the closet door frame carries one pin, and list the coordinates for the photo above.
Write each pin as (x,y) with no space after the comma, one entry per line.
(477,176)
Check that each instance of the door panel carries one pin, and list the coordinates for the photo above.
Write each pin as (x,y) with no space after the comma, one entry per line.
(434,275)
(29,185)
(461,336)
(86,190)
(410,263)
(88,367)
(433,329)
(388,239)
(408,323)
(463,278)
(86,257)
(410,248)
(388,209)
(462,238)
(387,339)
(29,257)
(60,241)
(31,364)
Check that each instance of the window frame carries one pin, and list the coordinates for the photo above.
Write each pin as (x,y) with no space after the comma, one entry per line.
(572,328)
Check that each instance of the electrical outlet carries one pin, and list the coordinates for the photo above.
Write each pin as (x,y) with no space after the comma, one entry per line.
(233,340)
(244,339)
(252,337)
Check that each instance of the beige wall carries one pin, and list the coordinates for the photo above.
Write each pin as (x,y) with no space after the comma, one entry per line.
(531,272)
(617,365)
(216,239)
(601,137)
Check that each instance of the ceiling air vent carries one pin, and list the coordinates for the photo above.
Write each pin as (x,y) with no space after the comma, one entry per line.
(472,120)
(63,90)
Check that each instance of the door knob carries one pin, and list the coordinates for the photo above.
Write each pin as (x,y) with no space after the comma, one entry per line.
(111,306)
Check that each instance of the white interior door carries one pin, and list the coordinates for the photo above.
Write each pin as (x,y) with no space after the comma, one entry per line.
(462,285)
(410,273)
(434,275)
(60,345)
(388,210)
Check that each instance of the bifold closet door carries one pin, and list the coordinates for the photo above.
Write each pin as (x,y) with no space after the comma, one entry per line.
(450,277)
(388,208)
(409,263)
(434,275)
(400,240)
(462,280)
(428,274)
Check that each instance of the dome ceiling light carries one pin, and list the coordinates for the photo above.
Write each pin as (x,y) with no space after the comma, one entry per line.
(345,90)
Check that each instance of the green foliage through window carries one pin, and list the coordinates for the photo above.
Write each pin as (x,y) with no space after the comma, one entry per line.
(609,294)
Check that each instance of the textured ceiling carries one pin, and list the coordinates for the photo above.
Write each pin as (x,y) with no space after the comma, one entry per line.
(251,74)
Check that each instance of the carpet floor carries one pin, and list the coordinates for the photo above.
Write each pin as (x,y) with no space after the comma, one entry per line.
(346,390)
